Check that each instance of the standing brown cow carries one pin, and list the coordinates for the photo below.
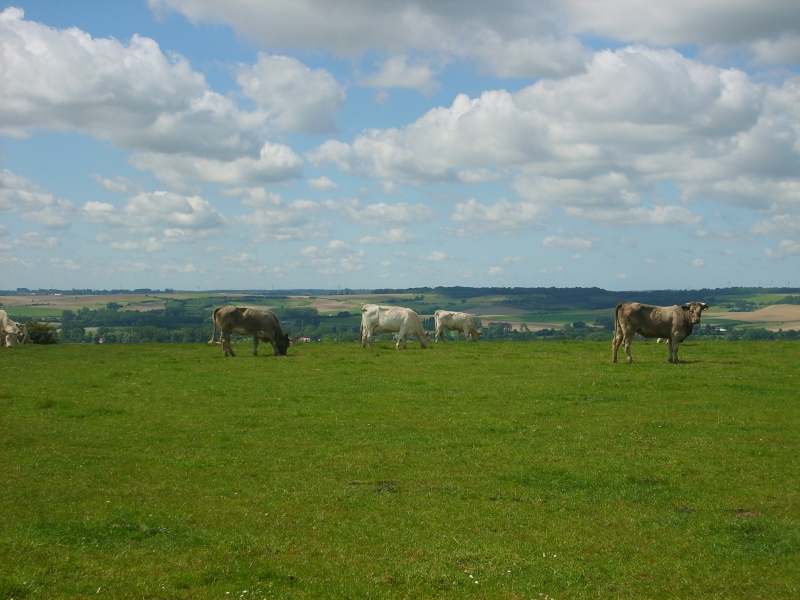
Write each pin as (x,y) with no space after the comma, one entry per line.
(673,323)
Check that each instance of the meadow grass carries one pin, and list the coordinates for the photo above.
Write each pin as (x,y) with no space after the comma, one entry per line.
(488,470)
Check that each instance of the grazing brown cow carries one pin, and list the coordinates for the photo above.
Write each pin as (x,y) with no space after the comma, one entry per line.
(455,321)
(673,323)
(261,323)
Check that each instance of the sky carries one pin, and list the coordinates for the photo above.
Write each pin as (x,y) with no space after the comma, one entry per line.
(309,144)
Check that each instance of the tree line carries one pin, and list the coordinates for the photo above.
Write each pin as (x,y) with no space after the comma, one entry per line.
(180,322)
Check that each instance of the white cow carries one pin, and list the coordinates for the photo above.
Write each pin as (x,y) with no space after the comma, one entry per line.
(9,330)
(455,321)
(23,337)
(391,319)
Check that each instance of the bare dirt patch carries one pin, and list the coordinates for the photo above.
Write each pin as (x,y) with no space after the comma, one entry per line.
(326,305)
(782,316)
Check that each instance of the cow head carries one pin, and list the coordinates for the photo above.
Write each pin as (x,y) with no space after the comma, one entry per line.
(423,339)
(695,309)
(282,342)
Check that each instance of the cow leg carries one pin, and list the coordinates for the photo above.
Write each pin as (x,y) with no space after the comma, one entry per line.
(627,344)
(272,340)
(227,349)
(673,350)
(255,344)
(615,346)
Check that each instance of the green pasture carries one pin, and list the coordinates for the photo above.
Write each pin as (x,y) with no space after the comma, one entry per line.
(467,470)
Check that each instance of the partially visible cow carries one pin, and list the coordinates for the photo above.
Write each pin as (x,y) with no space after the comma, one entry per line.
(9,330)
(23,337)
(261,323)
(390,319)
(455,321)
(673,323)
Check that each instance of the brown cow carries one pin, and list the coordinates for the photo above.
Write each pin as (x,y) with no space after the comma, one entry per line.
(673,323)
(261,323)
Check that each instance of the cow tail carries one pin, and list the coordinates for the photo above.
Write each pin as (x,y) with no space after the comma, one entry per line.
(616,317)
(213,326)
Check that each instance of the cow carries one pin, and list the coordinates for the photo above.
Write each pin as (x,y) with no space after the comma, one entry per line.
(261,323)
(455,321)
(673,323)
(9,330)
(23,337)
(391,319)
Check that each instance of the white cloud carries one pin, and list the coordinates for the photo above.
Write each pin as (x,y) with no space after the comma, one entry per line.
(785,249)
(698,262)
(393,236)
(329,262)
(33,203)
(396,71)
(67,264)
(322,184)
(294,97)
(502,216)
(382,214)
(654,216)
(158,218)
(521,40)
(436,256)
(276,162)
(567,243)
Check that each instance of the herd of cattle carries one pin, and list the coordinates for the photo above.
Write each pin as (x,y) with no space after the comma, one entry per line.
(670,323)
(12,333)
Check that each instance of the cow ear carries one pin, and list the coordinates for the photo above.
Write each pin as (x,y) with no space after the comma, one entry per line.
(685,307)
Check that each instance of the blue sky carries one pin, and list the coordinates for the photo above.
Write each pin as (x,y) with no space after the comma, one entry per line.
(210,144)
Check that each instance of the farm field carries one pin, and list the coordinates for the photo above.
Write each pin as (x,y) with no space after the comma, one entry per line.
(488,309)
(488,470)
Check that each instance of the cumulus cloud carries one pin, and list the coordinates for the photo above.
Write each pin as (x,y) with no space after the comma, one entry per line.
(294,97)
(393,236)
(521,40)
(502,216)
(329,261)
(322,184)
(275,162)
(398,72)
(593,143)
(137,96)
(32,202)
(382,214)
(567,243)
(157,219)
(785,249)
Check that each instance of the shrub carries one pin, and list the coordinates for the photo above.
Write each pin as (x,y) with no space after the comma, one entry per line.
(41,333)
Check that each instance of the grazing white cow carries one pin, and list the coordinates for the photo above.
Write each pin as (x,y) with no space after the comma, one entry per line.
(9,330)
(261,323)
(391,319)
(455,321)
(673,323)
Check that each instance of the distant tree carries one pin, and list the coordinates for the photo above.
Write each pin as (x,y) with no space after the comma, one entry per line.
(41,333)
(113,306)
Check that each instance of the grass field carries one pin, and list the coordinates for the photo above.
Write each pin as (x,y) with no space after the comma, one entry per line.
(489,470)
